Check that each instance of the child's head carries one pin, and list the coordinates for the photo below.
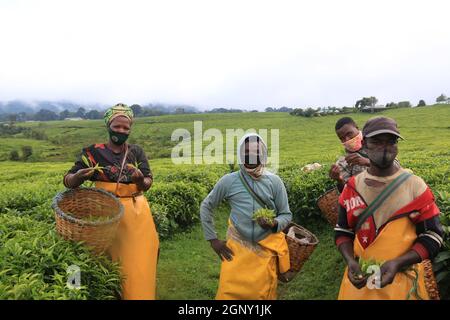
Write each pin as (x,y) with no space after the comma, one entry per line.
(346,129)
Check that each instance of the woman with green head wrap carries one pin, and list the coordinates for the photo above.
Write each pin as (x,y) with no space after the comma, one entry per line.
(127,174)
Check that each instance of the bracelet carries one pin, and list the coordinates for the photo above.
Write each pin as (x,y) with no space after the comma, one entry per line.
(65,182)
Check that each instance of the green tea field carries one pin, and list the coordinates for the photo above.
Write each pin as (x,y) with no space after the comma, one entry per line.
(34,260)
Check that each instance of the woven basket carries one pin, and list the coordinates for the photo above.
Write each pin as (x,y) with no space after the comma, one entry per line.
(71,206)
(430,280)
(300,252)
(328,204)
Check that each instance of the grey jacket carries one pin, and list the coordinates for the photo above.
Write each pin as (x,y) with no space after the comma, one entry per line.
(269,187)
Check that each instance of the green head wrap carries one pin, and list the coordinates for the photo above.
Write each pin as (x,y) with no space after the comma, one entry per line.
(119,109)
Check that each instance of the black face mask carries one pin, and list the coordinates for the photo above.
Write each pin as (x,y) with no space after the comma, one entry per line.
(117,138)
(249,161)
(381,158)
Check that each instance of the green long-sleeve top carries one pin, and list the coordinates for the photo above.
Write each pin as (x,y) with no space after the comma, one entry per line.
(230,187)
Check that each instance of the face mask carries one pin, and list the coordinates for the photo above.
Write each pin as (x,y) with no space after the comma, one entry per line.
(354,144)
(250,161)
(255,170)
(117,138)
(381,158)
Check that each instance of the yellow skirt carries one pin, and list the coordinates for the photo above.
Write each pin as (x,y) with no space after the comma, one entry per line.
(253,275)
(393,241)
(136,245)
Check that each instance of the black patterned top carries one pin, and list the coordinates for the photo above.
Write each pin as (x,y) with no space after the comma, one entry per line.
(111,162)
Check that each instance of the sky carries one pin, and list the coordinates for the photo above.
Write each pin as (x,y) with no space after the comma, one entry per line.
(233,54)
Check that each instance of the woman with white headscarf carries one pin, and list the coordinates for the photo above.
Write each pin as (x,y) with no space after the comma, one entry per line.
(255,251)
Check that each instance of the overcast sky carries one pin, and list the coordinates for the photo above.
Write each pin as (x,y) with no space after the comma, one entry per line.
(249,54)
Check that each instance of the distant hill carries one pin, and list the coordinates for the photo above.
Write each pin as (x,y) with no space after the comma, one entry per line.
(20,106)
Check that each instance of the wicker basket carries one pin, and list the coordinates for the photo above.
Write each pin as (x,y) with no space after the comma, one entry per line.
(430,280)
(328,204)
(71,206)
(300,252)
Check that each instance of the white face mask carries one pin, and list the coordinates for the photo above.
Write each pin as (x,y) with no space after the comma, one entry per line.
(355,143)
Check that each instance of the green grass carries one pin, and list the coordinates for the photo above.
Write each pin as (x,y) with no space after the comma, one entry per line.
(188,268)
(301,139)
(321,275)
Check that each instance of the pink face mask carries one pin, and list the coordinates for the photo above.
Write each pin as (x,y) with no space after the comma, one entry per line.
(354,144)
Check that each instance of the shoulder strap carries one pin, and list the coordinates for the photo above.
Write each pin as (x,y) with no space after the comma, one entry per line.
(362,154)
(121,168)
(252,192)
(379,200)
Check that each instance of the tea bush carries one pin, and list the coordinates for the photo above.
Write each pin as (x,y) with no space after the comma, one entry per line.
(304,188)
(206,178)
(441,264)
(164,225)
(179,204)
(34,262)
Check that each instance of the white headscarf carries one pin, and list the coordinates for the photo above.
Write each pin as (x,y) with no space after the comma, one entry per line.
(257,172)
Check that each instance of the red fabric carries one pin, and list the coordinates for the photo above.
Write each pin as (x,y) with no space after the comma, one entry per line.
(351,200)
(91,157)
(345,192)
(424,204)
(421,250)
(340,240)
(99,146)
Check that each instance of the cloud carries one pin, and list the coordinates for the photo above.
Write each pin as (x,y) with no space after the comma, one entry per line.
(230,53)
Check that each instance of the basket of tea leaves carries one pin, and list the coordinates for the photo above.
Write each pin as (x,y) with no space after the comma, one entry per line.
(329,205)
(89,215)
(301,243)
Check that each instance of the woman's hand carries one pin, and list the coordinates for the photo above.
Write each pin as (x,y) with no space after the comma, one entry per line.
(355,159)
(266,224)
(388,271)
(137,177)
(355,274)
(84,174)
(143,183)
(74,180)
(220,247)
(335,173)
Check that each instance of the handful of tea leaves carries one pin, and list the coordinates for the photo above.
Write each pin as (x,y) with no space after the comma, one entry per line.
(365,264)
(89,164)
(134,165)
(266,214)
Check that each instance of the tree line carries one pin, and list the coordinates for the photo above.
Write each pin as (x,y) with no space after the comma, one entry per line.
(365,104)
